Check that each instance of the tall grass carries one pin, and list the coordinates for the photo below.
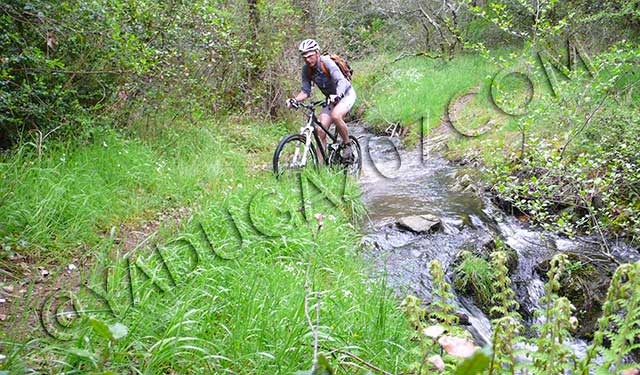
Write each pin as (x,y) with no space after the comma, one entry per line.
(243,314)
(240,310)
(54,206)
(411,88)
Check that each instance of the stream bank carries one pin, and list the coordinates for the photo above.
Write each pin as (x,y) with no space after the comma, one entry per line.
(399,184)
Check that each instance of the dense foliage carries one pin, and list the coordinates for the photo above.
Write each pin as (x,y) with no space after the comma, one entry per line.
(116,110)
(64,63)
(540,349)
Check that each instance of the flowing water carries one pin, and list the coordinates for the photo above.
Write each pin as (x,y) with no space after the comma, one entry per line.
(396,184)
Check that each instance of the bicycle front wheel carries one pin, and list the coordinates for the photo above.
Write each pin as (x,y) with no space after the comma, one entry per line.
(292,154)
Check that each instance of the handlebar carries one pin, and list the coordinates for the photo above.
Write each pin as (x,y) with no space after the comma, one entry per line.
(312,106)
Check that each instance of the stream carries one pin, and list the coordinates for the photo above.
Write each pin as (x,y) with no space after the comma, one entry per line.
(397,184)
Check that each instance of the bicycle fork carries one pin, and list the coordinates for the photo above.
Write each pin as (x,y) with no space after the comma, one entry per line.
(307,132)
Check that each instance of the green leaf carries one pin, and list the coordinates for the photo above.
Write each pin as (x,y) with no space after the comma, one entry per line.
(475,364)
(118,330)
(101,328)
(323,367)
(83,353)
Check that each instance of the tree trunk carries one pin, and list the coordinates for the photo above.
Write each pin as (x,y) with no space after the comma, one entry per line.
(254,72)
(254,17)
(308,17)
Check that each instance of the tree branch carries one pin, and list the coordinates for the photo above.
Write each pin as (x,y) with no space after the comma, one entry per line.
(423,53)
(24,69)
(367,364)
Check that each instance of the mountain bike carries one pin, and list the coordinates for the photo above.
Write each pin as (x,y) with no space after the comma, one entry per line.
(297,151)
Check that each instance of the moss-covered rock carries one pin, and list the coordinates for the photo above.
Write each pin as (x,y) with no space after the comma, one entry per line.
(473,276)
(473,273)
(584,282)
(484,246)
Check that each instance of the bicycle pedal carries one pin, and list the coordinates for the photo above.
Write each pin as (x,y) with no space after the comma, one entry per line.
(348,161)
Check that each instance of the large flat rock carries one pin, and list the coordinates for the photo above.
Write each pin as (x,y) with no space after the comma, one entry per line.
(420,223)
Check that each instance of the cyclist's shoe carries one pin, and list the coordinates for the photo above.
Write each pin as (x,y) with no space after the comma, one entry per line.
(347,154)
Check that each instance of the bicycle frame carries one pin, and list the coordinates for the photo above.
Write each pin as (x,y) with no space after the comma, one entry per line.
(298,147)
(310,127)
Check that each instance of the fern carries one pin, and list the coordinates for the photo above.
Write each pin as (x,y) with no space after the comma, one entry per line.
(505,335)
(506,323)
(553,356)
(619,322)
(442,308)
(415,314)
(503,300)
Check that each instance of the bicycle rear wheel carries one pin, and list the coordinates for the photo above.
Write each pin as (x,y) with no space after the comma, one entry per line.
(290,155)
(354,168)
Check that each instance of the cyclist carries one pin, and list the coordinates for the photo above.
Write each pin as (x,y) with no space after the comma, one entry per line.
(336,88)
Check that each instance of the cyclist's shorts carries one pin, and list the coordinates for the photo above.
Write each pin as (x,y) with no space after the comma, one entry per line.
(349,99)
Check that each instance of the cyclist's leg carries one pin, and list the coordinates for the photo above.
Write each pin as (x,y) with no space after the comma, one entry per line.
(325,120)
(340,110)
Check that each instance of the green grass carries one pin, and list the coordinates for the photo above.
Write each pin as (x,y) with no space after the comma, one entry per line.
(53,207)
(411,88)
(415,87)
(243,314)
(474,276)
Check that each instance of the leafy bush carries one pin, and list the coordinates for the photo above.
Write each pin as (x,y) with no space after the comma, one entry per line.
(581,163)
(135,60)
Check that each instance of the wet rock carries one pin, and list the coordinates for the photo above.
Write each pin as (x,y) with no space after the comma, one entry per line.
(473,188)
(452,225)
(476,223)
(486,245)
(463,183)
(465,180)
(585,283)
(468,180)
(463,319)
(420,223)
(436,143)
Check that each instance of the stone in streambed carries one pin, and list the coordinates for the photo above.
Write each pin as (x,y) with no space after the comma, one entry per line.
(451,225)
(420,223)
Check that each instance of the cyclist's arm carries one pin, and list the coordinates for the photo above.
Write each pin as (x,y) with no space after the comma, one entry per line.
(305,90)
(301,96)
(342,84)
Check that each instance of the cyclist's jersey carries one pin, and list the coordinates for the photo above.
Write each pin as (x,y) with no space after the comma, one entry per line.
(335,84)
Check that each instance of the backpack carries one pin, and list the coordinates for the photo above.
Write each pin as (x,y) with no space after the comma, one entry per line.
(344,66)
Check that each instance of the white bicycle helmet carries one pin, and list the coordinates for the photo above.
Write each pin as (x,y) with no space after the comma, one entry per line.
(308,45)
